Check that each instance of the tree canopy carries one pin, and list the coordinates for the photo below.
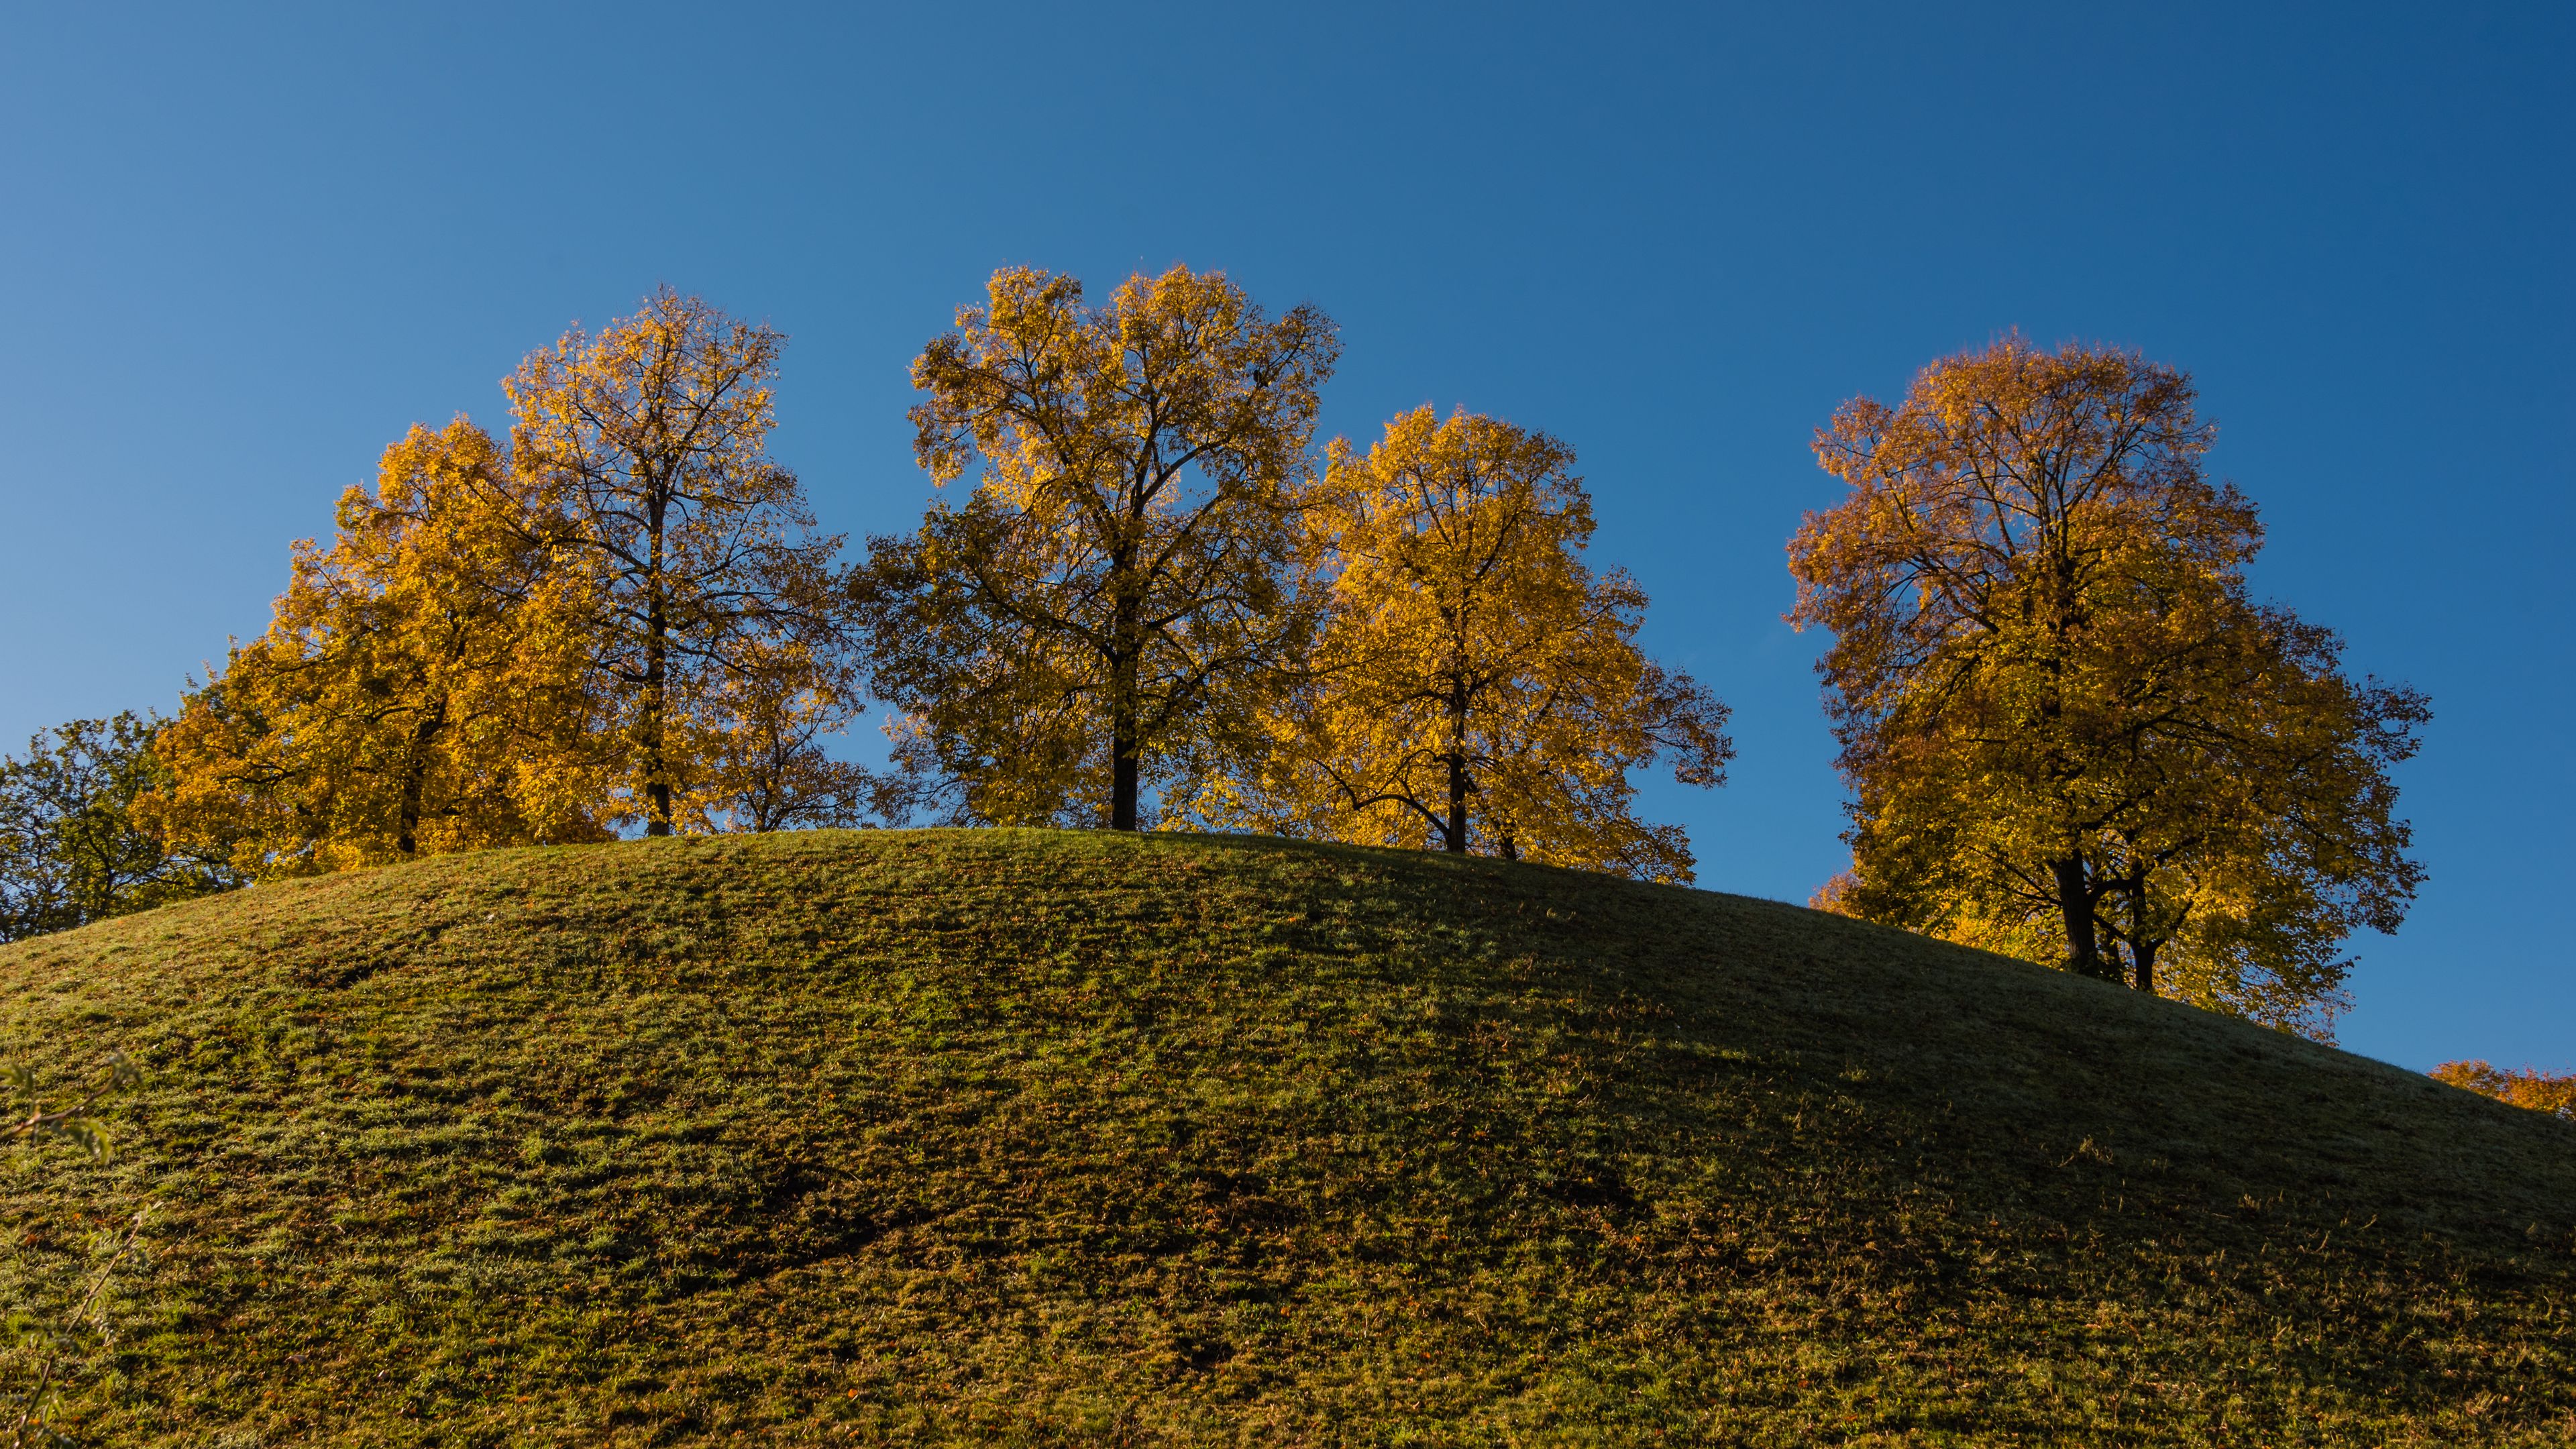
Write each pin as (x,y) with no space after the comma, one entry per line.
(2069,730)
(623,618)
(710,607)
(419,690)
(1110,606)
(2528,1088)
(1476,684)
(2070,733)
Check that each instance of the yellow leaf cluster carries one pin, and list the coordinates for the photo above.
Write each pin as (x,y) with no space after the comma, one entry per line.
(620,618)
(1107,611)
(1154,600)
(2529,1088)
(419,690)
(1476,686)
(2070,734)
(714,610)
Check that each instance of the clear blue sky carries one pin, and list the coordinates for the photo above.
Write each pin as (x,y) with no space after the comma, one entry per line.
(243,249)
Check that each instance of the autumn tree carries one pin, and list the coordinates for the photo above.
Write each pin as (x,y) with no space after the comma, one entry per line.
(72,848)
(712,607)
(2069,732)
(2528,1088)
(419,689)
(1477,685)
(772,766)
(1107,607)
(622,616)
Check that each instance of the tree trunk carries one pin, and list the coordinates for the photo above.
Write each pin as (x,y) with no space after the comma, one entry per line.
(1454,834)
(657,649)
(1123,765)
(415,778)
(1126,750)
(657,776)
(2075,903)
(2142,946)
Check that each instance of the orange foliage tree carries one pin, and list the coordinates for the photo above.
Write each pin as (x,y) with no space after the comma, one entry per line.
(1105,612)
(1476,684)
(711,608)
(624,618)
(2069,732)
(419,689)
(2537,1090)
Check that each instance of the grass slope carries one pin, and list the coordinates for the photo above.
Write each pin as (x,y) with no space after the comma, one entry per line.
(1063,1138)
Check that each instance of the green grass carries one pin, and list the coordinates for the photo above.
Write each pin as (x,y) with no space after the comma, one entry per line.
(1034,1138)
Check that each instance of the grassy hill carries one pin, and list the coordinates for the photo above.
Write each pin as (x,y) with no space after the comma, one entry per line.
(1039,1138)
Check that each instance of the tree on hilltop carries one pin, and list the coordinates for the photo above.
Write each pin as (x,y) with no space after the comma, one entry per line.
(418,689)
(624,617)
(2069,733)
(711,608)
(1109,607)
(1476,686)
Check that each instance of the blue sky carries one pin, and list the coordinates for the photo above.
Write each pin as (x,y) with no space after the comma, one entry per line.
(240,252)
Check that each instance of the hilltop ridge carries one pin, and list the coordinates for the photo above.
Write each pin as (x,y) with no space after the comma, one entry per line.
(1035,1137)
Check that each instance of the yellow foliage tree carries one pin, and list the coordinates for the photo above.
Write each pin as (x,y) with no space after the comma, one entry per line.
(2069,733)
(2529,1088)
(1107,609)
(624,617)
(1476,686)
(711,608)
(418,690)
